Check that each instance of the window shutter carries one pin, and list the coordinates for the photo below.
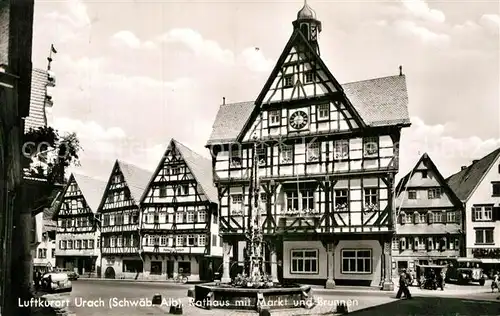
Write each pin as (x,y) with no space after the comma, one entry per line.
(184,241)
(415,217)
(496,213)
(429,218)
(400,244)
(458,217)
(415,243)
(473,215)
(195,217)
(444,217)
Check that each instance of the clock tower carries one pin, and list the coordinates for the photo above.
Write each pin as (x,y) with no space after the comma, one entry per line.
(309,26)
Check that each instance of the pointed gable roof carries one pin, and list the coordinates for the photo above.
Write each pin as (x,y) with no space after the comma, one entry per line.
(137,179)
(427,161)
(92,190)
(465,182)
(199,166)
(379,101)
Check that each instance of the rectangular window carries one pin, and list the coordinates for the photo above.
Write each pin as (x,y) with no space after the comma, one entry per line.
(288,81)
(190,217)
(323,112)
(304,261)
(78,244)
(202,239)
(370,147)
(409,218)
(163,191)
(202,216)
(451,217)
(424,174)
(357,261)
(70,244)
(286,154)
(341,200)
(274,118)
(341,149)
(179,241)
(84,244)
(482,213)
(371,199)
(292,200)
(191,240)
(434,193)
(422,218)
(312,152)
(261,156)
(214,240)
(496,188)
(308,76)
(175,170)
(91,244)
(237,202)
(62,244)
(185,189)
(484,236)
(437,217)
(307,200)
(179,217)
(263,197)
(163,241)
(235,159)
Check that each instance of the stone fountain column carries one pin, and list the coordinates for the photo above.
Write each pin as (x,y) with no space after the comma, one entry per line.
(226,251)
(274,265)
(330,257)
(387,285)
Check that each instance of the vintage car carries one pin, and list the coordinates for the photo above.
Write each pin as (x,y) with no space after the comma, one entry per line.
(464,271)
(56,282)
(72,275)
(428,276)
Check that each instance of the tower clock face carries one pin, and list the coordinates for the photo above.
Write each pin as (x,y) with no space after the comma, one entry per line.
(299,120)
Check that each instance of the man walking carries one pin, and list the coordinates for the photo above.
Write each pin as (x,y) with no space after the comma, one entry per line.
(403,285)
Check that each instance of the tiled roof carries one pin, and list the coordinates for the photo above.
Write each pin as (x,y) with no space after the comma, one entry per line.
(201,168)
(380,102)
(92,190)
(465,181)
(137,179)
(37,118)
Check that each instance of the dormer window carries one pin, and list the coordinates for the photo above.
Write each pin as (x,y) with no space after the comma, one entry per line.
(308,76)
(274,118)
(434,193)
(288,81)
(323,112)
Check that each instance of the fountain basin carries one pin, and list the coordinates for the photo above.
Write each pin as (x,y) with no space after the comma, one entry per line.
(214,296)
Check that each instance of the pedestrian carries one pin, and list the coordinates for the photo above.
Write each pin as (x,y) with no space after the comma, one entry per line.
(403,285)
(440,280)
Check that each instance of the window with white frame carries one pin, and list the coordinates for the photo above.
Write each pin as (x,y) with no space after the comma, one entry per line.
(286,154)
(262,156)
(119,241)
(90,244)
(263,197)
(434,193)
(163,240)
(371,198)
(84,244)
(62,244)
(341,200)
(112,242)
(484,236)
(78,244)
(482,213)
(236,202)
(288,81)
(69,244)
(190,217)
(323,111)
(395,243)
(341,149)
(357,261)
(191,240)
(437,217)
(179,241)
(292,200)
(235,159)
(274,118)
(422,218)
(309,76)
(451,217)
(312,152)
(409,218)
(202,216)
(179,217)
(370,147)
(304,261)
(202,239)
(307,200)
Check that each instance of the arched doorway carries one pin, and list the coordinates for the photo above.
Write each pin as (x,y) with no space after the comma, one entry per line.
(109,273)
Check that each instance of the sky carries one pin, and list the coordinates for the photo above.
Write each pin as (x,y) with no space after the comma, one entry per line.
(131,75)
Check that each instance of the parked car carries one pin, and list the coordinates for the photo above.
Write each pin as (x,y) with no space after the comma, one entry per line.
(465,270)
(56,282)
(72,275)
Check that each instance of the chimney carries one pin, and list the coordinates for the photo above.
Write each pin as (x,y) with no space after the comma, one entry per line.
(400,70)
(223,100)
(463,168)
(474,161)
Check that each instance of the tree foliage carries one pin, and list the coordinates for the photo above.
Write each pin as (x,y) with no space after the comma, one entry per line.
(47,154)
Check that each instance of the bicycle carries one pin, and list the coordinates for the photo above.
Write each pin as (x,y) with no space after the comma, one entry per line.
(181,278)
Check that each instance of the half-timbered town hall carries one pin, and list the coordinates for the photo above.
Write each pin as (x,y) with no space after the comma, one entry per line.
(179,226)
(119,213)
(327,155)
(77,237)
